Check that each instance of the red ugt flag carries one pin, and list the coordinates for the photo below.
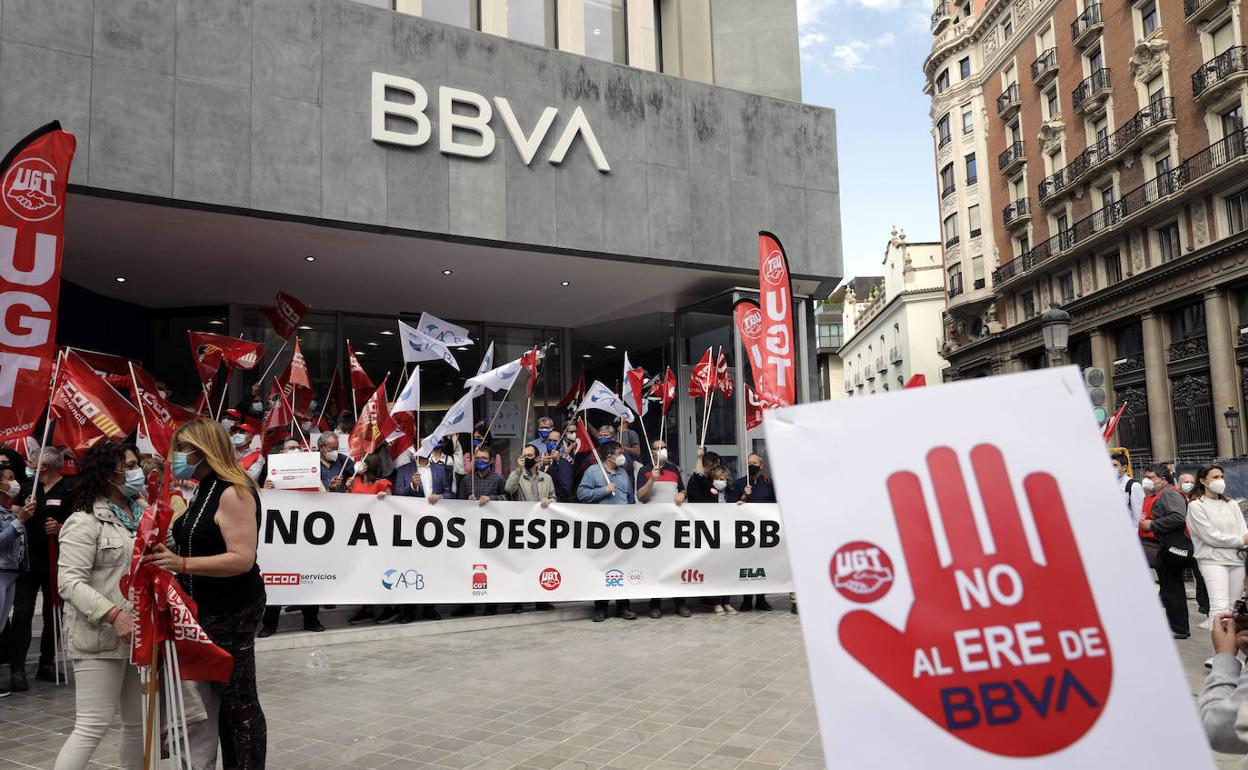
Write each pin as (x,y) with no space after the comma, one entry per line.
(703,379)
(87,408)
(285,315)
(776,302)
(664,389)
(33,178)
(528,361)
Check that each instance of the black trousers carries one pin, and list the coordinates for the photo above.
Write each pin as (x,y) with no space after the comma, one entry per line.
(1173,592)
(243,728)
(311,614)
(620,604)
(28,586)
(677,603)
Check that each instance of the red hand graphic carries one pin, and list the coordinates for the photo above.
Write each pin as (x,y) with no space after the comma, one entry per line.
(1033,670)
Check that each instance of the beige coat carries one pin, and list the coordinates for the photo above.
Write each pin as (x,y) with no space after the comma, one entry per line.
(95,553)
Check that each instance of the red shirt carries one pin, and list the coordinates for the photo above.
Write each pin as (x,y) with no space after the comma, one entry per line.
(1147,515)
(359,487)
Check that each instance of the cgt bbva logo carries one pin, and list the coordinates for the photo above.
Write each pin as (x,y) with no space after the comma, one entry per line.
(691,576)
(480,581)
(614,578)
(394,579)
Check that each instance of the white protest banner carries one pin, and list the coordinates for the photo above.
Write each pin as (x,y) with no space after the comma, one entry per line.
(296,470)
(325,548)
(974,582)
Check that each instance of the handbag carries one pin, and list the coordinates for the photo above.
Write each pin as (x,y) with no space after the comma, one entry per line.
(1152,550)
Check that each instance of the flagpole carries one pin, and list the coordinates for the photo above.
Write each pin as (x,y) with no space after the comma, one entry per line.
(276,356)
(399,387)
(641,419)
(325,403)
(150,756)
(142,415)
(708,394)
(225,389)
(496,411)
(355,408)
(47,420)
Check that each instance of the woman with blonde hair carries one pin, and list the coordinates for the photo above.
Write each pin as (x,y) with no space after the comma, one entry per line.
(214,557)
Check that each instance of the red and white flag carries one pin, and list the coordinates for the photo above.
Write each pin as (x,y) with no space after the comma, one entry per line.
(1112,425)
(87,408)
(158,418)
(297,370)
(755,406)
(234,352)
(372,427)
(633,392)
(663,389)
(702,380)
(336,397)
(749,322)
(584,442)
(33,178)
(575,393)
(285,315)
(403,437)
(277,424)
(529,361)
(361,385)
(778,383)
(723,383)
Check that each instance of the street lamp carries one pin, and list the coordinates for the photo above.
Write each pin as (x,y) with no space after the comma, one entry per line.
(1231,415)
(1055,324)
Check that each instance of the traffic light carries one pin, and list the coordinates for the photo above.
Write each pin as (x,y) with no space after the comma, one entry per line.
(1094,381)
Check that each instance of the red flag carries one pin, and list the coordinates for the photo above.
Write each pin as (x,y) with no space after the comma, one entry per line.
(285,315)
(404,437)
(917,381)
(776,302)
(633,393)
(335,397)
(529,362)
(664,389)
(755,405)
(373,425)
(584,442)
(297,370)
(722,381)
(87,408)
(158,418)
(574,395)
(114,369)
(749,323)
(1112,425)
(361,385)
(33,177)
(702,380)
(277,425)
(236,353)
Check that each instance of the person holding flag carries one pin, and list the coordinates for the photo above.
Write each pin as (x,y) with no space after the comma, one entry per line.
(608,483)
(214,557)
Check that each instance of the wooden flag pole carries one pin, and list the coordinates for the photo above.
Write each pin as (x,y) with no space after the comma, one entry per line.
(151,756)
(706,418)
(325,403)
(355,408)
(225,389)
(641,419)
(496,412)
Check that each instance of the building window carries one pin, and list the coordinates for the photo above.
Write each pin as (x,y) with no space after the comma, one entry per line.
(942,81)
(1015,133)
(1028,301)
(1237,212)
(964,68)
(1051,106)
(1022,245)
(951,230)
(1232,121)
(968,119)
(972,219)
(942,130)
(1148,17)
(533,21)
(1096,60)
(606,35)
(1066,286)
(1188,322)
(972,174)
(1007,28)
(1113,268)
(1168,242)
(461,13)
(830,335)
(946,180)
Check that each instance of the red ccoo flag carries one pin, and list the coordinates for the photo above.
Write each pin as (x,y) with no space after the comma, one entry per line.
(285,315)
(87,408)
(372,427)
(703,380)
(361,386)
(236,353)
(159,418)
(277,425)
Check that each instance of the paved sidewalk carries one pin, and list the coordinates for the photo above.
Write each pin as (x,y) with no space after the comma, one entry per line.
(706,692)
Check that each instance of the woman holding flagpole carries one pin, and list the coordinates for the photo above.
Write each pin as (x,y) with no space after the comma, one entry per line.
(214,557)
(95,547)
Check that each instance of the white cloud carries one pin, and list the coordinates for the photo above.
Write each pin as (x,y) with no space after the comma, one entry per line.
(811,39)
(885,40)
(810,11)
(849,57)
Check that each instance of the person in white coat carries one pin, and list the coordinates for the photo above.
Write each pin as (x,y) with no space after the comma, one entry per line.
(1218,532)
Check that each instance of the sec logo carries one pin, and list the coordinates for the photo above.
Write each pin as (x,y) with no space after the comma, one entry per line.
(861,572)
(550,578)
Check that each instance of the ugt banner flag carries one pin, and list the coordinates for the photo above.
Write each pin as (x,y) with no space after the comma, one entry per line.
(775,294)
(33,178)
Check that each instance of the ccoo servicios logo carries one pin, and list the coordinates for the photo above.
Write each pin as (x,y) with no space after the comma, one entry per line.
(402,579)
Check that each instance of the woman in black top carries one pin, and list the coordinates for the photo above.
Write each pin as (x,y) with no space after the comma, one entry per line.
(214,556)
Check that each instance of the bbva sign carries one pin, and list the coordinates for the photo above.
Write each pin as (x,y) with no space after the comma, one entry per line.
(477,123)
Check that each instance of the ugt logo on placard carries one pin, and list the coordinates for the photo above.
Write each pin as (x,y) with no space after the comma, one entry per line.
(1004,652)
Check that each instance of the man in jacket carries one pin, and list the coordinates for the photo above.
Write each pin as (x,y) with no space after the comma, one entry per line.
(336,467)
(1169,522)
(662,483)
(528,483)
(608,484)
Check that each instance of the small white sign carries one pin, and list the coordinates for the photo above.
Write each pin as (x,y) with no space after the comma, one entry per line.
(970,598)
(296,470)
(509,421)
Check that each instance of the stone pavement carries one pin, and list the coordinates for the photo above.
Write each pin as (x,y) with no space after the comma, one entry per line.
(707,692)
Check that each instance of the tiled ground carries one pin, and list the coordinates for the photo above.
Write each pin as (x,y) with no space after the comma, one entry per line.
(708,692)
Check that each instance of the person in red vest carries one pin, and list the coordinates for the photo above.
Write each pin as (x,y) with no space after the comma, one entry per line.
(242,436)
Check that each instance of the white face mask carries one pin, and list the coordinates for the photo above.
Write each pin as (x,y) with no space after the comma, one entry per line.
(331,456)
(1148,485)
(306,426)
(660,455)
(14,489)
(618,460)
(1217,486)
(227,423)
(1187,486)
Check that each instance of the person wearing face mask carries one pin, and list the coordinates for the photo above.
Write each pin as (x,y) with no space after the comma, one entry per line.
(1218,533)
(48,508)
(662,483)
(754,487)
(249,456)
(1132,491)
(529,483)
(13,557)
(336,467)
(95,547)
(1169,518)
(311,613)
(483,485)
(230,418)
(448,454)
(698,489)
(483,441)
(558,463)
(545,426)
(608,484)
(1187,483)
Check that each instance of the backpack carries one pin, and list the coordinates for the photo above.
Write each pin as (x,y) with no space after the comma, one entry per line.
(1127,490)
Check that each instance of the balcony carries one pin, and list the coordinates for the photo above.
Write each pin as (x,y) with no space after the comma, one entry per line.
(1196,11)
(894,355)
(1159,114)
(1016,214)
(858,380)
(1009,102)
(849,386)
(1192,347)
(880,366)
(1086,25)
(1011,159)
(940,17)
(1198,167)
(1092,92)
(952,241)
(1044,68)
(1220,71)
(1051,185)
(955,285)
(1132,363)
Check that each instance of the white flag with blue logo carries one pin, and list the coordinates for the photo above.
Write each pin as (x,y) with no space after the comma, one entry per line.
(599,396)
(409,397)
(458,419)
(501,378)
(421,347)
(487,363)
(442,331)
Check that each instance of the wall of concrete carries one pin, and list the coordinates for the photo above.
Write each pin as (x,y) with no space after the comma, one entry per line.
(264,104)
(755,47)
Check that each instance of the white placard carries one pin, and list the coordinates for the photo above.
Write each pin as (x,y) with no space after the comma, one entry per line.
(970,597)
(332,548)
(510,419)
(295,470)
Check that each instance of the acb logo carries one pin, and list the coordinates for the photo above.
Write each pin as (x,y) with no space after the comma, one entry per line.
(691,576)
(394,579)
(614,578)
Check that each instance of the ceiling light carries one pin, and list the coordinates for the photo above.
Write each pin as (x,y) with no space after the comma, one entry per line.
(597,31)
(609,347)
(565,283)
(309,258)
(447,272)
(372,344)
(305,328)
(461,347)
(586,355)
(359,353)
(387,333)
(215,322)
(119,279)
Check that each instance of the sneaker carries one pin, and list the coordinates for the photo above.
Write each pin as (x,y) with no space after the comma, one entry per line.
(266,632)
(363,616)
(1208,662)
(388,615)
(762,606)
(5,693)
(728,608)
(1205,624)
(628,615)
(684,612)
(17,682)
(719,609)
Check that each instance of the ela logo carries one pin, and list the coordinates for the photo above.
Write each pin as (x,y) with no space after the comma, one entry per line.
(753,573)
(861,572)
(550,578)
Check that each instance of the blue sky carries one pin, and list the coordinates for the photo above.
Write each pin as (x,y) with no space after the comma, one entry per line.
(864,58)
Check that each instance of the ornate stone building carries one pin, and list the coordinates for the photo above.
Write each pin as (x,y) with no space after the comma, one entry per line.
(1119,192)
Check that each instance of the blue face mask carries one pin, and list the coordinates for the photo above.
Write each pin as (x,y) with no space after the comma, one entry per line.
(476,442)
(30,472)
(543,432)
(136,484)
(481,464)
(180,468)
(603,439)
(550,445)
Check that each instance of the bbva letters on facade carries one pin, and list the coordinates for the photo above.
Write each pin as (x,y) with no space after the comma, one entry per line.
(449,121)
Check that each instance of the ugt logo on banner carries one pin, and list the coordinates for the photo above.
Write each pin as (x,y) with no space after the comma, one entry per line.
(979,588)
